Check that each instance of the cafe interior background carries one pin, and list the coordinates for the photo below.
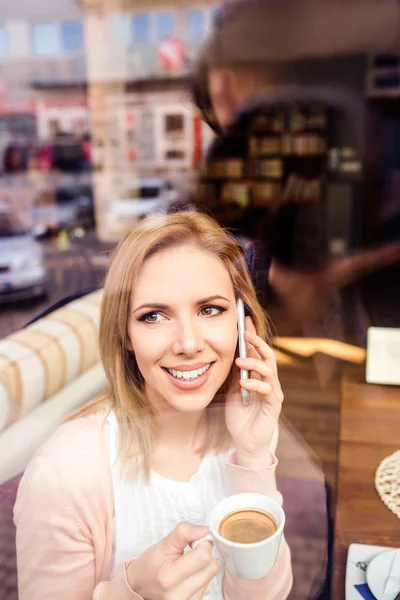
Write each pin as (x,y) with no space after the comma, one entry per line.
(98,128)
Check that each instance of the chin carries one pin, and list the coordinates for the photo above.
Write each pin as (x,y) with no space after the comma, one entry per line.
(188,403)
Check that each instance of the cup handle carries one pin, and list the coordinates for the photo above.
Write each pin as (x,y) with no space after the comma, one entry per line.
(206,538)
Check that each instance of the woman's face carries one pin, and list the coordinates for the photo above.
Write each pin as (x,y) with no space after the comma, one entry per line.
(182,327)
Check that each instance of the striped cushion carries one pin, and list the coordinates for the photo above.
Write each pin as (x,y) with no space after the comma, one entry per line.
(41,359)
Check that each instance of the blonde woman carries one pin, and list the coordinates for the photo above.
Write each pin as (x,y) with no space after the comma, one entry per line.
(108,506)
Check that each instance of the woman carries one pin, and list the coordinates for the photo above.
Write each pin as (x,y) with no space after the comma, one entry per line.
(109,504)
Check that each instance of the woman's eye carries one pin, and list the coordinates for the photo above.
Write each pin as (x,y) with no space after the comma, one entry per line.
(153,317)
(212,311)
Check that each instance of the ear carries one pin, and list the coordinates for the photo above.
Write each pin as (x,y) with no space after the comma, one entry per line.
(129,344)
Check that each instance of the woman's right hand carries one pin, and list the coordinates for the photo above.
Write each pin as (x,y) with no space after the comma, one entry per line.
(165,572)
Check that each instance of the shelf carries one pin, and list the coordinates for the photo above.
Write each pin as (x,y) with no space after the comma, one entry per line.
(270,203)
(344,177)
(311,130)
(319,155)
(269,157)
(214,179)
(261,178)
(269,135)
(284,155)
(266,156)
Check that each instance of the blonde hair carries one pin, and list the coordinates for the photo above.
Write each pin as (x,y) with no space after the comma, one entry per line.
(124,394)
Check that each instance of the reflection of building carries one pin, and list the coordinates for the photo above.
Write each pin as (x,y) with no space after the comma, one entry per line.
(42,67)
(139,56)
(150,131)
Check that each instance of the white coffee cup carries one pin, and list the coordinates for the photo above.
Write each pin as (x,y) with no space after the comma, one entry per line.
(246,561)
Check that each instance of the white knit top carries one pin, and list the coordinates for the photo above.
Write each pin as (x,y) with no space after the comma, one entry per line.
(144,513)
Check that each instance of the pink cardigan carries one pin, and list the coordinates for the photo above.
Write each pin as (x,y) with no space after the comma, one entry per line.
(64,520)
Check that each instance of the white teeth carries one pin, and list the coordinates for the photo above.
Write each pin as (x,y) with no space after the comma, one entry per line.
(189,375)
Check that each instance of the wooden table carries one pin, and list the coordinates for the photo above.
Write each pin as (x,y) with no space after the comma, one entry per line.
(369,431)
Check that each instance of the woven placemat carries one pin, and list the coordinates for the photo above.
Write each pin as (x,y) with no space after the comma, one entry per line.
(387,482)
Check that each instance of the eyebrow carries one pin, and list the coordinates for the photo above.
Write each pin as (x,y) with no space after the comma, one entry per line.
(153,306)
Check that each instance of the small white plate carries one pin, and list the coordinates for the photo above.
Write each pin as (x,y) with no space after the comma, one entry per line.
(359,557)
(378,572)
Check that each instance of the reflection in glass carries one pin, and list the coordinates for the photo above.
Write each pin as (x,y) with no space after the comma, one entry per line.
(165,26)
(196,25)
(71,33)
(141,27)
(3,44)
(46,41)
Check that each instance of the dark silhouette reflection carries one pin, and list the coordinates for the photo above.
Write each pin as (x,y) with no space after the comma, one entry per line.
(307,162)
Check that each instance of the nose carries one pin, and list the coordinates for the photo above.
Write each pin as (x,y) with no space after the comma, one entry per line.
(189,339)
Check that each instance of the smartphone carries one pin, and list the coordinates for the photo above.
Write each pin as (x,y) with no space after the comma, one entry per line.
(242,346)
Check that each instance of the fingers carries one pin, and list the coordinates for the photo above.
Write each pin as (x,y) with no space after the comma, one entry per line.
(256,365)
(268,385)
(275,395)
(250,325)
(193,562)
(196,585)
(265,352)
(183,535)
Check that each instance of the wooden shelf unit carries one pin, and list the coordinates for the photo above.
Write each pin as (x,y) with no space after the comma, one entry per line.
(284,145)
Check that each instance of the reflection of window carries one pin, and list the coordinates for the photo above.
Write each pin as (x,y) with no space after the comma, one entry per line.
(175,154)
(174,124)
(141,28)
(3,44)
(165,26)
(196,25)
(175,136)
(71,34)
(120,29)
(45,39)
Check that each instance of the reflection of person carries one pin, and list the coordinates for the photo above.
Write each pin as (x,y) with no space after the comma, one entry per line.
(235,75)
(111,501)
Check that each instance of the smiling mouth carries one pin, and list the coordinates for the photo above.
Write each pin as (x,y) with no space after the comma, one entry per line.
(189,375)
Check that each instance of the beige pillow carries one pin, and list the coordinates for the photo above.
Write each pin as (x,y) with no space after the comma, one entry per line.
(41,359)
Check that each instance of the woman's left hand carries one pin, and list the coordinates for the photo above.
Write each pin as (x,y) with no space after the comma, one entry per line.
(253,426)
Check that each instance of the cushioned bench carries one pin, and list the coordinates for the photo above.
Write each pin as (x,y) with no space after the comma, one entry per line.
(46,370)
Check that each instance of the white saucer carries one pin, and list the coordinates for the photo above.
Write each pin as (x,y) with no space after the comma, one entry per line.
(378,572)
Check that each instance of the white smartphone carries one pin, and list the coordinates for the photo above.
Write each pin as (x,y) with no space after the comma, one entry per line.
(242,346)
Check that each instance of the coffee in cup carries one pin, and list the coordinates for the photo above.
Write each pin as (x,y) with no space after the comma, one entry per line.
(246,532)
(247,526)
